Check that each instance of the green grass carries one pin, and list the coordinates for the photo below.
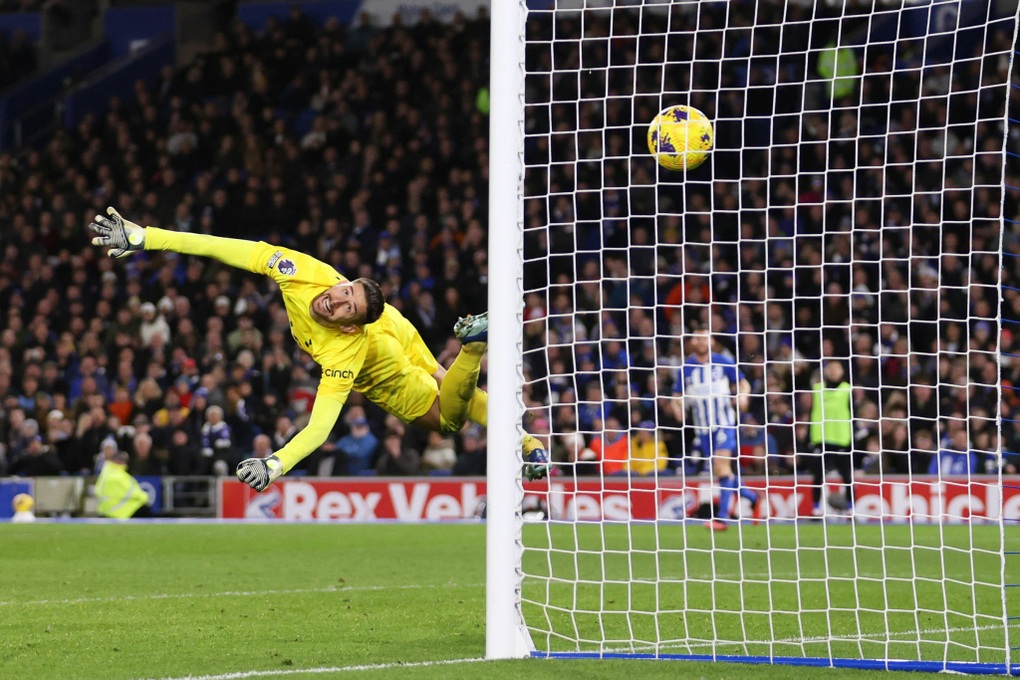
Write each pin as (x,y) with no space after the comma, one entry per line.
(269,600)
(804,590)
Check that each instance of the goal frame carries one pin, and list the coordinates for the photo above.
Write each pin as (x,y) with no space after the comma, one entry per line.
(506,633)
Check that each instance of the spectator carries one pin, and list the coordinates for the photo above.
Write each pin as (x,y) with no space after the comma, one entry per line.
(148,398)
(217,444)
(23,439)
(923,452)
(145,462)
(581,459)
(283,432)
(122,405)
(955,459)
(612,447)
(37,460)
(439,453)
(107,449)
(60,439)
(358,446)
(183,454)
(153,325)
(261,447)
(648,453)
(396,459)
(473,458)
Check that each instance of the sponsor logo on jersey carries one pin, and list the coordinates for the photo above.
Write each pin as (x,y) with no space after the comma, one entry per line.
(273,260)
(287,267)
(338,373)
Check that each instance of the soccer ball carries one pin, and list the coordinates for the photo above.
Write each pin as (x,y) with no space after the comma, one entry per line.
(23,503)
(680,137)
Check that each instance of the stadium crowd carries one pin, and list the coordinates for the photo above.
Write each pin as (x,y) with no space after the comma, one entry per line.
(366,147)
(826,225)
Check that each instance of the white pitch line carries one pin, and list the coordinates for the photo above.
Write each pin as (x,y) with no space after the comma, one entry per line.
(233,593)
(335,669)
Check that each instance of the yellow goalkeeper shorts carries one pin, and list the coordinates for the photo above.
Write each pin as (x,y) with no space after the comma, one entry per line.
(407,395)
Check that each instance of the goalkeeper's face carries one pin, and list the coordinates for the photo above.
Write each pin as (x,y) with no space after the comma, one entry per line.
(342,306)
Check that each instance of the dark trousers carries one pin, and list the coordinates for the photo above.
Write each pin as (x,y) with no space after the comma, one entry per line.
(830,457)
(144,512)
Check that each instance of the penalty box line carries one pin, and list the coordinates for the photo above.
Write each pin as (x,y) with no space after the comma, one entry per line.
(241,675)
(234,593)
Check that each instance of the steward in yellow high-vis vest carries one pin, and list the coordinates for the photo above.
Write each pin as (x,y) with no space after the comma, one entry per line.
(120,496)
(831,436)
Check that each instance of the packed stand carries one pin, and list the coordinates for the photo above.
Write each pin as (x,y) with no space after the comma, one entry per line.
(806,237)
(366,147)
(362,147)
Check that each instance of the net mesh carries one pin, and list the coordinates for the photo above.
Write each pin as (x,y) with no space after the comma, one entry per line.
(849,214)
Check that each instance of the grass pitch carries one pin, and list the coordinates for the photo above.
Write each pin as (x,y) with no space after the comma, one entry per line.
(332,600)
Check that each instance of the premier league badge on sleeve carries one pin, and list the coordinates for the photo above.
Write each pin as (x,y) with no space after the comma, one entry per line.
(287,267)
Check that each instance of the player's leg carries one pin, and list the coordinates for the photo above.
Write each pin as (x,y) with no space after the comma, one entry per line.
(533,450)
(460,398)
(722,469)
(843,461)
(724,461)
(747,493)
(721,443)
(813,461)
(458,386)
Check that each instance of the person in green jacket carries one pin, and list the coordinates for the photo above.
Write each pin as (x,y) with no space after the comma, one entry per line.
(831,436)
(840,69)
(120,496)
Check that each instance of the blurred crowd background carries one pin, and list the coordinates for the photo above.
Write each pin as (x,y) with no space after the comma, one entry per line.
(868,235)
(855,221)
(362,147)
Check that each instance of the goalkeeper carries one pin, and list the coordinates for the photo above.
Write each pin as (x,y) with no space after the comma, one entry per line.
(361,343)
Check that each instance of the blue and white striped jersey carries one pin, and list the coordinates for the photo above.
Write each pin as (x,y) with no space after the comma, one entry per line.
(709,390)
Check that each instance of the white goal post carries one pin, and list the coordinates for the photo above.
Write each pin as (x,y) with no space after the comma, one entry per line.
(849,254)
(506,636)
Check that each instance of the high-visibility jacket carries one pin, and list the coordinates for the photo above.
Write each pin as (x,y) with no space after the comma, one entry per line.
(840,69)
(831,415)
(118,492)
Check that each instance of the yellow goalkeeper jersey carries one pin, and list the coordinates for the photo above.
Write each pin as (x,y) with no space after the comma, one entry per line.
(385,360)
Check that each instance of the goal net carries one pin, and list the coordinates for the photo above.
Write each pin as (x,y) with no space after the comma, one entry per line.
(847,257)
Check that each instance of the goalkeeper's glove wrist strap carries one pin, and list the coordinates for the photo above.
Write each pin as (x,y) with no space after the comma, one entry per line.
(275,467)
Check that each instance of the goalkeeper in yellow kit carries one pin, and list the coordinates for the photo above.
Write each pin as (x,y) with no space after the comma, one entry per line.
(361,343)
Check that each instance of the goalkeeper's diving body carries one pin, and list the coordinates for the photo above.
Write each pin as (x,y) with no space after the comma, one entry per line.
(361,343)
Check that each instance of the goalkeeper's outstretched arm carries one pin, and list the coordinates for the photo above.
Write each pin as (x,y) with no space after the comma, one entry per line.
(259,473)
(125,237)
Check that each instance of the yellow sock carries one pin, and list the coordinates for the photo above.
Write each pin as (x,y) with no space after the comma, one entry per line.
(529,444)
(478,408)
(478,412)
(459,387)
